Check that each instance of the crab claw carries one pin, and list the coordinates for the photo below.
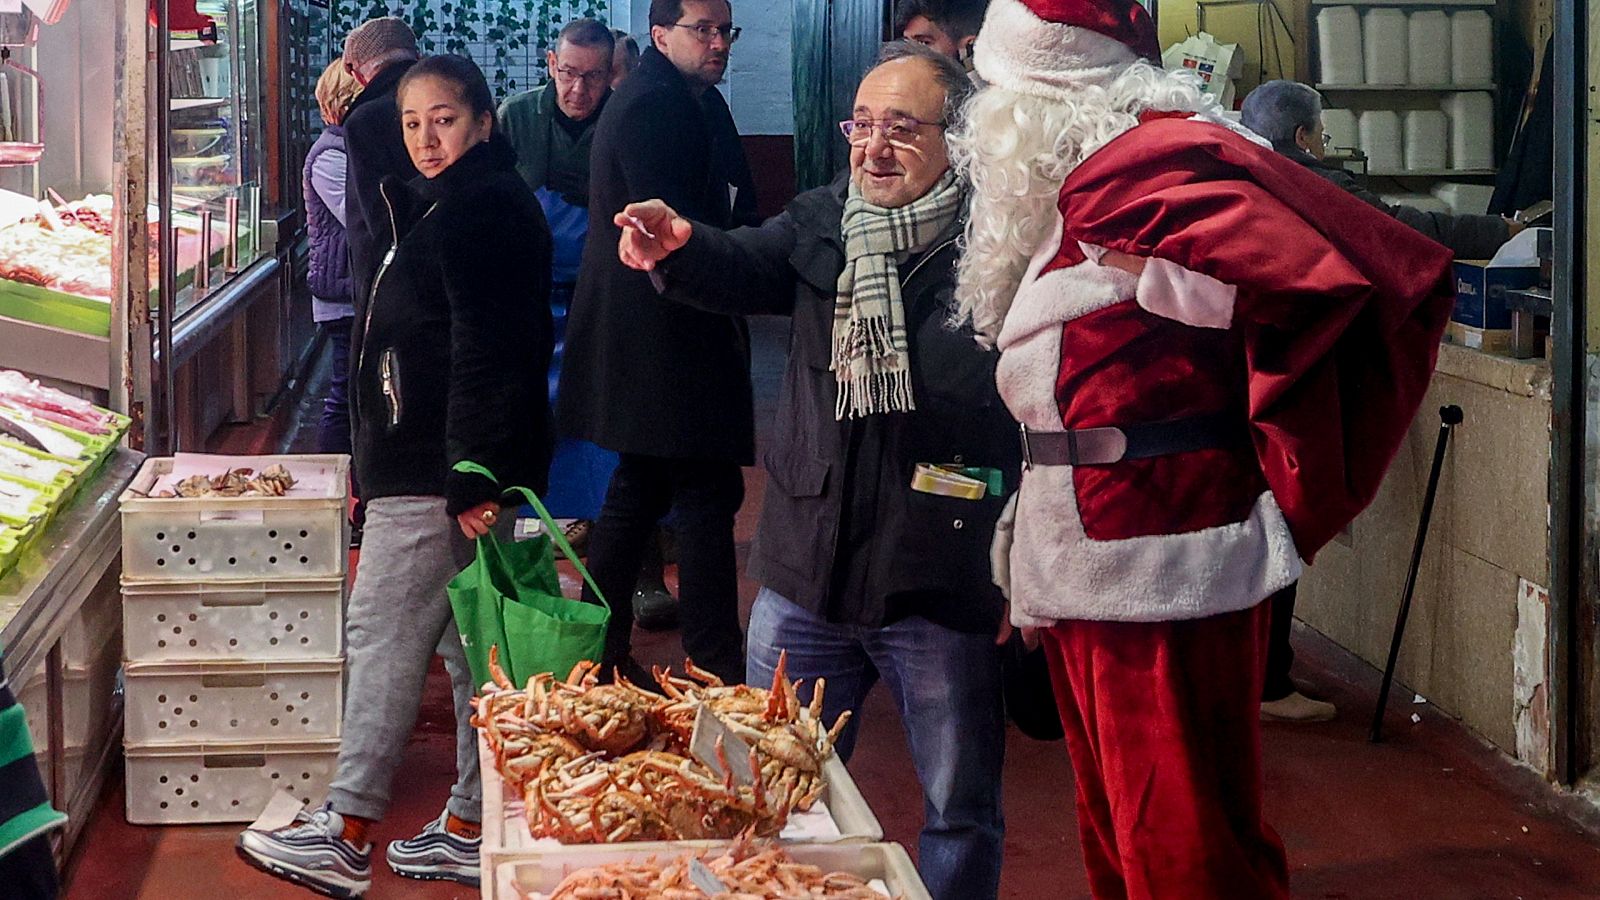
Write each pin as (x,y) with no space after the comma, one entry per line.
(497,674)
(709,679)
(838,727)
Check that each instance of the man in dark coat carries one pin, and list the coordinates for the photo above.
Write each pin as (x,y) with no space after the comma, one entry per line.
(377,52)
(665,386)
(871,562)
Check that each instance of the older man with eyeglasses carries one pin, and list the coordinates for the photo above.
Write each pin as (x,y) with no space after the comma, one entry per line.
(552,128)
(892,453)
(664,386)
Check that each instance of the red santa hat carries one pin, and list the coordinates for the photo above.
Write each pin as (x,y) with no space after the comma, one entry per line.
(1047,46)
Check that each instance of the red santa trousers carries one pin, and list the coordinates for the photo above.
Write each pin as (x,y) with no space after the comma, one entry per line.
(1162,722)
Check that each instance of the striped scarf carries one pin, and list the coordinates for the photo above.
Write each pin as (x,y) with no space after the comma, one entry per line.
(870,356)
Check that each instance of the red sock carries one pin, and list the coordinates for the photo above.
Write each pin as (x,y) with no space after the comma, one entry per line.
(462,828)
(355,830)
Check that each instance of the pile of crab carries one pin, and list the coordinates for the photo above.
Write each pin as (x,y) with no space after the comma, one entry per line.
(606,763)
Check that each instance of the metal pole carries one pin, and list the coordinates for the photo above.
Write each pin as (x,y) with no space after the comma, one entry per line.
(1449,418)
(131,336)
(1572,655)
(166,433)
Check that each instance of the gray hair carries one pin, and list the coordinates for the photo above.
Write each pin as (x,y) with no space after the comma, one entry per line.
(1277,109)
(952,77)
(587,33)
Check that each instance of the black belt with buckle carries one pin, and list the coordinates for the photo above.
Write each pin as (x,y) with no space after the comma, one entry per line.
(1107,445)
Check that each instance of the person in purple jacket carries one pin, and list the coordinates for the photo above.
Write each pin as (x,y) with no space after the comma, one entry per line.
(332,300)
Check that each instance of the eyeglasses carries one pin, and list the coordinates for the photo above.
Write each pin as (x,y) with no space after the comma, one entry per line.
(898,130)
(568,74)
(704,33)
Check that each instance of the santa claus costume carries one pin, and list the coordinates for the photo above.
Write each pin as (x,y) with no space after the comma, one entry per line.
(1214,356)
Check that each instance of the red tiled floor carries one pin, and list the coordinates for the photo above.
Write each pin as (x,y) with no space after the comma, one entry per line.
(1431,815)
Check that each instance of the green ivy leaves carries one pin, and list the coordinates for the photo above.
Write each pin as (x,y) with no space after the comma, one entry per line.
(507,38)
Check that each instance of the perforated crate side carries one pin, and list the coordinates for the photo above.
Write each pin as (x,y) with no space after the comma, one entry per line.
(253,620)
(189,703)
(222,783)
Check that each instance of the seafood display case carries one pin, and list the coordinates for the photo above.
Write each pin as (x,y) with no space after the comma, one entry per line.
(213,135)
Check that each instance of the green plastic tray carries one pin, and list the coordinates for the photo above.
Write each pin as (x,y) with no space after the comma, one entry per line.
(42,306)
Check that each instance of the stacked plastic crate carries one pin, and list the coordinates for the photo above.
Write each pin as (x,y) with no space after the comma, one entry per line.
(233,624)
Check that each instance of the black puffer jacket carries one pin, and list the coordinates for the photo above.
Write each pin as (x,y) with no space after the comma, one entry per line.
(842,533)
(458,337)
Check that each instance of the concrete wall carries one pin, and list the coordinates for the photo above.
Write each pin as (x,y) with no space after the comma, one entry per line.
(1476,644)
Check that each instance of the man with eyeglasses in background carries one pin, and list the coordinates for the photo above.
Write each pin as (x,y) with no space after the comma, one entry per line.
(665,386)
(872,555)
(552,129)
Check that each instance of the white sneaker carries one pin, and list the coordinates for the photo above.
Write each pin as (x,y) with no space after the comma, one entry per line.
(312,853)
(436,855)
(1297,707)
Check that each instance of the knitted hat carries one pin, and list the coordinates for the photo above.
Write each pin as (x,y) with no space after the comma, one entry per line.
(1045,47)
(376,38)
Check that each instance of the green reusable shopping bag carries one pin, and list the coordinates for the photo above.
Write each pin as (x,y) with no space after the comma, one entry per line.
(510,598)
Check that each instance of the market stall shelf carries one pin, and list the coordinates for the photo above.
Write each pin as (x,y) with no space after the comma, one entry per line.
(59,614)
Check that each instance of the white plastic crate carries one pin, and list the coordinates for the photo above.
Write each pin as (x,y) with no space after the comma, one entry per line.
(506,837)
(191,784)
(534,879)
(249,620)
(304,535)
(193,703)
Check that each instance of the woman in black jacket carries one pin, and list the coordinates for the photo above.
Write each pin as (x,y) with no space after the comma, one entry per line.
(457,337)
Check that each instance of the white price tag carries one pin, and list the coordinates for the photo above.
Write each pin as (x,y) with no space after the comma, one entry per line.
(705,879)
(280,812)
(708,729)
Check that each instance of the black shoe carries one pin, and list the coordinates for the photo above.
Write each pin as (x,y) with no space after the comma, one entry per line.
(355,535)
(654,609)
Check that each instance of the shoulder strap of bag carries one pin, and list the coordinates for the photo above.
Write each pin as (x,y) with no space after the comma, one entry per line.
(471,468)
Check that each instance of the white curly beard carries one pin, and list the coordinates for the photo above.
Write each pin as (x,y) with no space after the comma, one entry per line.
(1015,150)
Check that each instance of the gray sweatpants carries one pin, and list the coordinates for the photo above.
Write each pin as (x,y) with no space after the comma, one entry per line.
(398,617)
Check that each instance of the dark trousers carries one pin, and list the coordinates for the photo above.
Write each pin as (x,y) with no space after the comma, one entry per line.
(333,432)
(29,872)
(333,429)
(1280,656)
(703,497)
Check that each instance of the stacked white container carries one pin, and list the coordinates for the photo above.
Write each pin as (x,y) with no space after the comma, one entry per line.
(233,624)
(1375,57)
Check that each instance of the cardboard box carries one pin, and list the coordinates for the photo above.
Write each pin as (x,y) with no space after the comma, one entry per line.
(1487,340)
(1481,292)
